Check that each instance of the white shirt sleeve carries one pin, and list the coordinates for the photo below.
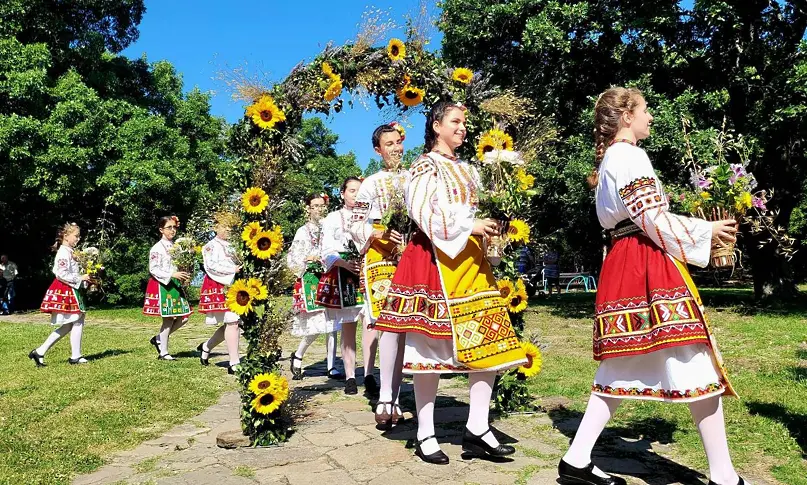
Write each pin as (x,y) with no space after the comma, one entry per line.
(331,240)
(299,251)
(361,226)
(218,265)
(65,269)
(157,266)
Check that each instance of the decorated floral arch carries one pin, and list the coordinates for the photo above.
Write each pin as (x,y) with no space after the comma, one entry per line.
(400,77)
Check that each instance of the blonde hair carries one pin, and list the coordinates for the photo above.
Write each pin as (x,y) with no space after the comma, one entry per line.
(608,111)
(62,232)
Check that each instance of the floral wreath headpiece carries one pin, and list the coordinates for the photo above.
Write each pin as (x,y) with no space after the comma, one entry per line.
(399,128)
(176,220)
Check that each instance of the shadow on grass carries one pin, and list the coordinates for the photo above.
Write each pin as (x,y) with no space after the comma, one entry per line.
(796,424)
(628,450)
(567,305)
(742,301)
(107,353)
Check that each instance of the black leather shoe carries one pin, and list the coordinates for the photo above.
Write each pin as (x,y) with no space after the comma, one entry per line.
(741,482)
(370,386)
(156,344)
(39,360)
(334,374)
(584,476)
(80,360)
(202,351)
(296,372)
(232,369)
(350,387)
(436,458)
(474,445)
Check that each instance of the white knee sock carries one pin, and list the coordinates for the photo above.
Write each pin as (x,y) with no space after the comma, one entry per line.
(349,349)
(302,348)
(165,332)
(178,323)
(369,346)
(331,347)
(231,334)
(387,356)
(481,388)
(75,338)
(598,413)
(54,337)
(708,417)
(425,395)
(215,339)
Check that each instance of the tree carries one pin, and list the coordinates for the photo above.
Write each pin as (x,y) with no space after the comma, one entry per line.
(744,61)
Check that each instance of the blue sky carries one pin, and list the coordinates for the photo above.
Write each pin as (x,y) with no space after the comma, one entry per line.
(202,37)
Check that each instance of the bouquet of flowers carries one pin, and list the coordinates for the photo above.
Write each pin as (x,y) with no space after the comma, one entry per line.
(89,259)
(396,216)
(185,254)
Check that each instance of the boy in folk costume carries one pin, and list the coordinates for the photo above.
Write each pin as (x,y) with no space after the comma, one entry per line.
(444,296)
(650,333)
(380,249)
(303,259)
(165,296)
(64,300)
(339,289)
(221,264)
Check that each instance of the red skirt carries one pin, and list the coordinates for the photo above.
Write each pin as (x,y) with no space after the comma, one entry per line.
(212,296)
(62,298)
(415,300)
(643,303)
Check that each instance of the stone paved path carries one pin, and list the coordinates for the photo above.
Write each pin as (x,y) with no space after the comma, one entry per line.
(337,443)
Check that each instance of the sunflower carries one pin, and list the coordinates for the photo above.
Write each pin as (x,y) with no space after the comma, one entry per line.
(258,289)
(240,297)
(410,95)
(519,231)
(525,180)
(486,144)
(327,69)
(503,140)
(261,383)
(255,200)
(534,360)
(267,243)
(334,89)
(265,112)
(396,50)
(506,288)
(274,395)
(252,230)
(518,300)
(463,75)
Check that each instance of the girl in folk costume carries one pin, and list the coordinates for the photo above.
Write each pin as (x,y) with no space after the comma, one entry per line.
(444,295)
(64,300)
(164,294)
(650,333)
(339,289)
(221,264)
(380,249)
(303,259)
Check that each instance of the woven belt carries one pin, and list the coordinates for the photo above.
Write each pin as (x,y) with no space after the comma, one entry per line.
(623,229)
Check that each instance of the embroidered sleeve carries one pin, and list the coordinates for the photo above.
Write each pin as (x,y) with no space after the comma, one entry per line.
(217,263)
(360,227)
(685,238)
(157,268)
(331,240)
(65,272)
(447,223)
(298,252)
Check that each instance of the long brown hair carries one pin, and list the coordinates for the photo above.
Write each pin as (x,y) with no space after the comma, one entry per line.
(608,111)
(62,232)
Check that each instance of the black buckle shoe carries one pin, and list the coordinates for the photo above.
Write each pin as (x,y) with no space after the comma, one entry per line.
(202,351)
(296,372)
(585,476)
(741,482)
(371,386)
(474,445)
(350,387)
(232,369)
(436,458)
(155,343)
(39,360)
(80,360)
(334,374)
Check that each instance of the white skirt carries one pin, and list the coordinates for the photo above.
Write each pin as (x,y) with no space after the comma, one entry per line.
(431,356)
(675,374)
(344,315)
(57,318)
(220,318)
(313,323)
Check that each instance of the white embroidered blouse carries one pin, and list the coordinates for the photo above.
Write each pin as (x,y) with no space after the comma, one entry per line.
(220,261)
(628,188)
(304,245)
(335,236)
(442,199)
(372,202)
(66,268)
(161,266)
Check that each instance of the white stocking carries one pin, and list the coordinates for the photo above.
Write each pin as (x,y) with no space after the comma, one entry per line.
(178,323)
(75,338)
(215,339)
(369,346)
(302,348)
(349,349)
(481,389)
(598,413)
(331,347)
(165,332)
(425,395)
(231,334)
(708,417)
(391,352)
(54,337)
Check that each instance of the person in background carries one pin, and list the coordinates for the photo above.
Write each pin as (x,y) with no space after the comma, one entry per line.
(9,272)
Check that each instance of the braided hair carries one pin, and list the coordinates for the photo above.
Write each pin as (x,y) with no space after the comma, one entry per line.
(63,231)
(437,113)
(608,111)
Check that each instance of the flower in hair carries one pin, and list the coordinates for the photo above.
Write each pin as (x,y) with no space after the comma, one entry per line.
(398,127)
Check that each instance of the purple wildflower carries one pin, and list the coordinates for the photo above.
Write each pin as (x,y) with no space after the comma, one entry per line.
(759,203)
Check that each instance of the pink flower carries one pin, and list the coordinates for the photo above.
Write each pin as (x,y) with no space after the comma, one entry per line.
(759,203)
(704,183)
(682,197)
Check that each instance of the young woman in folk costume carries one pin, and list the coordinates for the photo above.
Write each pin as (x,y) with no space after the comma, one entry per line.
(303,259)
(444,295)
(650,333)
(339,289)
(64,300)
(165,296)
(221,264)
(380,249)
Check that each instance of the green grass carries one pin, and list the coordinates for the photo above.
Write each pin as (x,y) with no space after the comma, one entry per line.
(767,362)
(61,420)
(244,471)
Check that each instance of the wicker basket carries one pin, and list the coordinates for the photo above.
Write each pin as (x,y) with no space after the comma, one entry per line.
(726,255)
(497,244)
